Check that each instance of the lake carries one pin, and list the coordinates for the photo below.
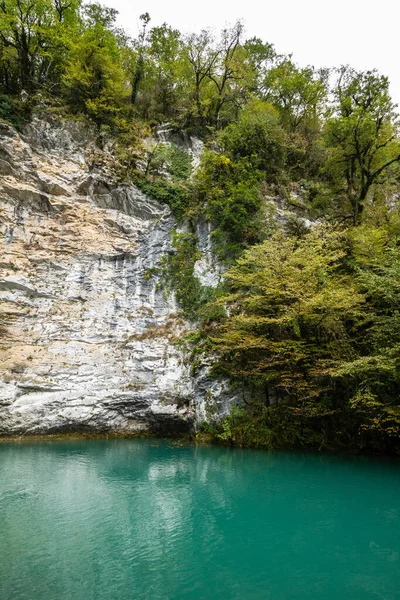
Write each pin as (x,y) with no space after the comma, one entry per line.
(147,519)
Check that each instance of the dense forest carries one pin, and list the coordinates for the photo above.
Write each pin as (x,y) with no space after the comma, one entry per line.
(300,178)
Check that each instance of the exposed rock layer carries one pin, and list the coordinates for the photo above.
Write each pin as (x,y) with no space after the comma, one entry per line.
(88,337)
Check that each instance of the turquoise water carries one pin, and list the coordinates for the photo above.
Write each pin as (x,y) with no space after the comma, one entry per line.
(133,519)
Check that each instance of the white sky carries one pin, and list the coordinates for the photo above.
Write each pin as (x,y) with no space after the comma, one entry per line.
(362,33)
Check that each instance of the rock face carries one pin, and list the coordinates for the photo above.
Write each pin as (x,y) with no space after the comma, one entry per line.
(88,338)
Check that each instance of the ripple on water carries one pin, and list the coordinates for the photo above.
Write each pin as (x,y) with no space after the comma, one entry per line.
(139,519)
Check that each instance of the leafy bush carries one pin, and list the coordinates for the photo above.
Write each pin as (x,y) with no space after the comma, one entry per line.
(228,195)
(178,274)
(258,137)
(178,163)
(176,196)
(14,111)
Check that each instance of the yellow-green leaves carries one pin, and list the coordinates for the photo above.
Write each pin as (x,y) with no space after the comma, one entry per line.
(288,303)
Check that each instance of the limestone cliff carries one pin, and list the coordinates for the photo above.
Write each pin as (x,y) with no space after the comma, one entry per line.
(87,337)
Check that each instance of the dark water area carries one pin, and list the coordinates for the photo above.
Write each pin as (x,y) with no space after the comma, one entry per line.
(133,519)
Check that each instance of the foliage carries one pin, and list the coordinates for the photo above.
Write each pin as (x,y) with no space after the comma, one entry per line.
(228,194)
(280,427)
(175,195)
(290,311)
(313,330)
(94,78)
(176,161)
(128,144)
(34,40)
(259,137)
(14,111)
(217,75)
(363,135)
(167,178)
(178,274)
(298,94)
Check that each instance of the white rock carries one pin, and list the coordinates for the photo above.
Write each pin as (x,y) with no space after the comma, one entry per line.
(87,336)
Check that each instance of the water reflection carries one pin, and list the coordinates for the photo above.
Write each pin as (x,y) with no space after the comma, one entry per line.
(143,519)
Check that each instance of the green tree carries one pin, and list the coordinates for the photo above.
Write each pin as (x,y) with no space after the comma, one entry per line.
(94,79)
(312,328)
(226,75)
(202,56)
(33,42)
(164,90)
(290,316)
(219,73)
(138,70)
(258,60)
(363,137)
(258,136)
(298,93)
(227,193)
